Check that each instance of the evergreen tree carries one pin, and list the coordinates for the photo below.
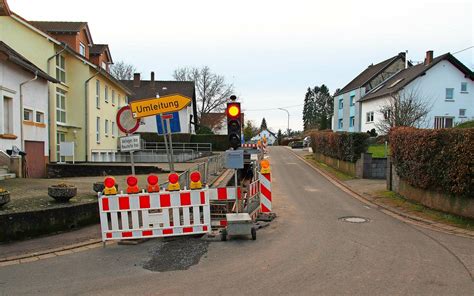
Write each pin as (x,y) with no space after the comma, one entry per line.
(263,126)
(249,130)
(279,137)
(318,108)
(307,109)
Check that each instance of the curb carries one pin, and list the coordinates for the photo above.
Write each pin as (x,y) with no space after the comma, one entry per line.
(402,216)
(70,249)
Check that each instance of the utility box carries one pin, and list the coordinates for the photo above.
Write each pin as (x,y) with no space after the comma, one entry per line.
(234,159)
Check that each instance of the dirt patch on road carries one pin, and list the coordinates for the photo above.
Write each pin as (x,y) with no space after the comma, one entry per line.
(177,254)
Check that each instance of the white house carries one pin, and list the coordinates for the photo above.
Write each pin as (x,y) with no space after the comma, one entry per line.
(24,109)
(271,138)
(144,89)
(443,82)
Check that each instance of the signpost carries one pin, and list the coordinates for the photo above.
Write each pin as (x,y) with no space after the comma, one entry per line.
(128,125)
(167,118)
(155,106)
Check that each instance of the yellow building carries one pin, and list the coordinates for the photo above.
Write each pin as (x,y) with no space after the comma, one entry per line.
(83,106)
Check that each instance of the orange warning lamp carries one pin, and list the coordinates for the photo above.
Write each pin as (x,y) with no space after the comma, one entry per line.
(132,182)
(195,180)
(109,184)
(173,184)
(153,183)
(264,167)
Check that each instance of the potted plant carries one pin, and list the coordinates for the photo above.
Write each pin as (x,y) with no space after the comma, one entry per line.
(62,192)
(4,197)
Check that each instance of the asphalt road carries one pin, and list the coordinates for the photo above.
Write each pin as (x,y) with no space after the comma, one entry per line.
(307,250)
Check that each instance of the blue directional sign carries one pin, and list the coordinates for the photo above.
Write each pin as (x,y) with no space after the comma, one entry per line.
(174,123)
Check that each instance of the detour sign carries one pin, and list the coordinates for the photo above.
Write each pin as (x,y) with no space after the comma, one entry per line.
(155,106)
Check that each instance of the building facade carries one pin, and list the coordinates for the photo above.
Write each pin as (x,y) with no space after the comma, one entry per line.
(347,107)
(443,83)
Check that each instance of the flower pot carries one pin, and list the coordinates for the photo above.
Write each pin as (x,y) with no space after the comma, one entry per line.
(99,186)
(4,198)
(62,193)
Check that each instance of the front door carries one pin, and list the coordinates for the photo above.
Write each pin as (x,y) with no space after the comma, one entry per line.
(35,159)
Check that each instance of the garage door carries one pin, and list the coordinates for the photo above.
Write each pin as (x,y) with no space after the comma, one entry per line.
(35,160)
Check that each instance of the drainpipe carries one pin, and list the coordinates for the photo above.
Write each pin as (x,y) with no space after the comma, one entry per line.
(86,89)
(22,110)
(49,100)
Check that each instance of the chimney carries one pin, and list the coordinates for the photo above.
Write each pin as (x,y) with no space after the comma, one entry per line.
(136,80)
(429,57)
(406,59)
(152,79)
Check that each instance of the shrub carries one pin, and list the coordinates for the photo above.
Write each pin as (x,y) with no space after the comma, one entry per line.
(465,124)
(219,142)
(204,130)
(440,160)
(341,145)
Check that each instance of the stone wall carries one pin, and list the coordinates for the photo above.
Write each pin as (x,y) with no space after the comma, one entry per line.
(435,200)
(346,167)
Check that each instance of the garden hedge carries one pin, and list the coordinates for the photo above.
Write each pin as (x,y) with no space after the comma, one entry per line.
(440,160)
(340,145)
(219,142)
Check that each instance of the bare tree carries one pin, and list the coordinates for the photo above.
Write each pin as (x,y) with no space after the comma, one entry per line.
(122,70)
(404,108)
(212,91)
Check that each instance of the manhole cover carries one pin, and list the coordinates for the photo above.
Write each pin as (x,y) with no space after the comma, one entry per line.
(354,219)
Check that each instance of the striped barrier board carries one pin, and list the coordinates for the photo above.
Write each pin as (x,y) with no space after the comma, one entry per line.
(265,192)
(147,215)
(249,146)
(224,193)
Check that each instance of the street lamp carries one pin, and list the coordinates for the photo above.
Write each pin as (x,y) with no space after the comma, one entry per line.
(287,112)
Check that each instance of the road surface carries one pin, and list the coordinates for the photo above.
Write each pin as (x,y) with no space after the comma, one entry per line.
(307,250)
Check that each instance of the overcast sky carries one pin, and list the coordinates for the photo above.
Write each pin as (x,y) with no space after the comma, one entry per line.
(270,50)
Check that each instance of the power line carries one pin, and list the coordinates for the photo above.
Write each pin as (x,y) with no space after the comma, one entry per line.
(276,108)
(463,49)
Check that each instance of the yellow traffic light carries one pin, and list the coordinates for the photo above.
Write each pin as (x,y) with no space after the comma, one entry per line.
(234,111)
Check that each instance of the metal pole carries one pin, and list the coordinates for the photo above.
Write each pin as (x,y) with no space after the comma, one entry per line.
(236,192)
(166,142)
(287,112)
(171,143)
(132,162)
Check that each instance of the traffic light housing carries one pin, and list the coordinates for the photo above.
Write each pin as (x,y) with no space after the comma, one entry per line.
(234,124)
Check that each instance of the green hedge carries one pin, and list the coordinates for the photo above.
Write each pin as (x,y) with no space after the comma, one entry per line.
(440,160)
(219,142)
(340,145)
(154,137)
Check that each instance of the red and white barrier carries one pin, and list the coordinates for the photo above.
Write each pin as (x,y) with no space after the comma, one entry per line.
(249,146)
(265,192)
(146,215)
(224,193)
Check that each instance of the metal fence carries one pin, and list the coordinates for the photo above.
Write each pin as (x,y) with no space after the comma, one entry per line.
(145,156)
(199,147)
(211,167)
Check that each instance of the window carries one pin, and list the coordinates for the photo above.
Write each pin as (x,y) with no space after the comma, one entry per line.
(27,115)
(60,137)
(351,121)
(97,130)
(104,66)
(106,94)
(97,94)
(82,49)
(119,99)
(114,130)
(395,83)
(113,97)
(341,103)
(443,122)
(61,68)
(7,115)
(39,117)
(352,103)
(369,117)
(462,112)
(464,87)
(106,128)
(449,94)
(60,106)
(340,124)
(387,113)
